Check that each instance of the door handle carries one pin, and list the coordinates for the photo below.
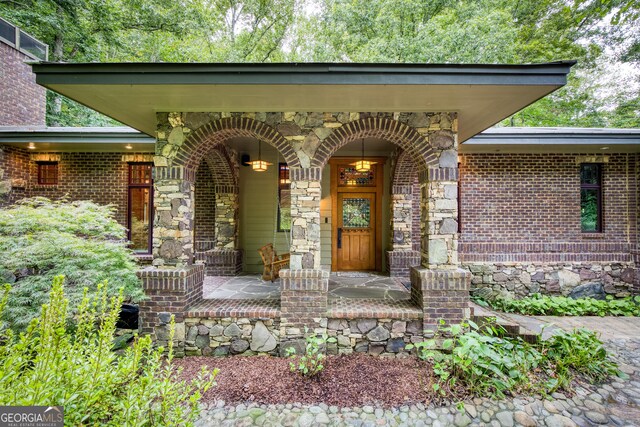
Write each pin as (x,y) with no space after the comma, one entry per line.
(340,238)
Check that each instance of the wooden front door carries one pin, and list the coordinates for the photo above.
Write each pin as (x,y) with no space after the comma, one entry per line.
(356,215)
(356,237)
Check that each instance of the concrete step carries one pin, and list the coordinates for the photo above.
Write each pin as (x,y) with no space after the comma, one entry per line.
(483,315)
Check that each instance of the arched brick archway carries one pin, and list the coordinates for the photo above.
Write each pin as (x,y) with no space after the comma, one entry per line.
(206,137)
(224,168)
(390,130)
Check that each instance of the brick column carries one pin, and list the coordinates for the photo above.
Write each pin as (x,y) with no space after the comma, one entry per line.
(173,217)
(402,256)
(305,218)
(226,218)
(442,294)
(169,292)
(303,296)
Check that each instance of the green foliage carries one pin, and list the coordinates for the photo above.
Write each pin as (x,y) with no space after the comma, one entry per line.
(483,361)
(310,363)
(46,365)
(41,239)
(545,305)
(432,31)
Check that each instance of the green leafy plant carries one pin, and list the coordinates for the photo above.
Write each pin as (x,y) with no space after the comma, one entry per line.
(310,363)
(46,365)
(481,360)
(538,304)
(41,239)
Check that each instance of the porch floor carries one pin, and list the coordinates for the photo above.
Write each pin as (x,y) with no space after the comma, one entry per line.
(351,295)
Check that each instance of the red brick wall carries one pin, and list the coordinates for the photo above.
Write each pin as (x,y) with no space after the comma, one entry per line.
(100,177)
(204,208)
(14,167)
(508,200)
(22,101)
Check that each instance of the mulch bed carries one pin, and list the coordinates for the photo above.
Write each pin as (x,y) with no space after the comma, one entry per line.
(352,380)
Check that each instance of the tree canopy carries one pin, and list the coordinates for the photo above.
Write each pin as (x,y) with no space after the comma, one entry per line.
(603,35)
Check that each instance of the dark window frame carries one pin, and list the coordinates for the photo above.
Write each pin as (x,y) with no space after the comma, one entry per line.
(599,199)
(284,172)
(41,178)
(130,185)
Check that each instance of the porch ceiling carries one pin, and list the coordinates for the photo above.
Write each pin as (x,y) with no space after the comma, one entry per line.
(132,93)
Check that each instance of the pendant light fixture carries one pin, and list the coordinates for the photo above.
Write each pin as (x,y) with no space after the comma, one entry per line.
(259,165)
(363,165)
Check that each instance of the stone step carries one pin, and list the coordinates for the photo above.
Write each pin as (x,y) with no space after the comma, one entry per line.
(482,315)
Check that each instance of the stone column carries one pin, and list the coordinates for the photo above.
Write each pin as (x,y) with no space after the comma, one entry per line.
(402,256)
(305,218)
(173,217)
(439,286)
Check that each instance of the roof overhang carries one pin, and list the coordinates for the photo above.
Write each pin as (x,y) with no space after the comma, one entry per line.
(80,139)
(554,140)
(132,93)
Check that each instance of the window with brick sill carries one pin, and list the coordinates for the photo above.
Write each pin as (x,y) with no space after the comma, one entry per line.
(47,173)
(591,197)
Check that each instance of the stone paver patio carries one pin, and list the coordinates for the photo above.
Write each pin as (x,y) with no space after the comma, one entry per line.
(341,285)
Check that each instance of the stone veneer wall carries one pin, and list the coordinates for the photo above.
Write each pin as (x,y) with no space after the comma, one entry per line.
(567,279)
(520,225)
(306,141)
(231,336)
(385,337)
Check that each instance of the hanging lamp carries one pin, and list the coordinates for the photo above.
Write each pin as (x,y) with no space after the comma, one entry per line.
(363,165)
(259,165)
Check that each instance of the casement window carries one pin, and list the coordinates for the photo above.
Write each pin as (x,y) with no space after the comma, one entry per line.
(591,197)
(284,198)
(47,173)
(140,209)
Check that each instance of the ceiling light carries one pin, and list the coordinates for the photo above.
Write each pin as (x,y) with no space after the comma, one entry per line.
(363,165)
(128,146)
(259,165)
(31,146)
(604,148)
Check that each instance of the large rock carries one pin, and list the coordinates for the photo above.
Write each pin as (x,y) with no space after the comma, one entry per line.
(568,279)
(239,346)
(261,339)
(438,252)
(365,325)
(395,345)
(378,334)
(232,330)
(170,249)
(449,226)
(592,290)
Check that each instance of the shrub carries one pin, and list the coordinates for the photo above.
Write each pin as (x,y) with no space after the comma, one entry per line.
(47,366)
(537,304)
(41,239)
(310,363)
(486,363)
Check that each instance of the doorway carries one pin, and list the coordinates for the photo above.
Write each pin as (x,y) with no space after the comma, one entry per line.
(356,234)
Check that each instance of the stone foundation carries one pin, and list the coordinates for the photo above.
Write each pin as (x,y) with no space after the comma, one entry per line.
(385,337)
(518,280)
(221,262)
(231,336)
(399,263)
(169,292)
